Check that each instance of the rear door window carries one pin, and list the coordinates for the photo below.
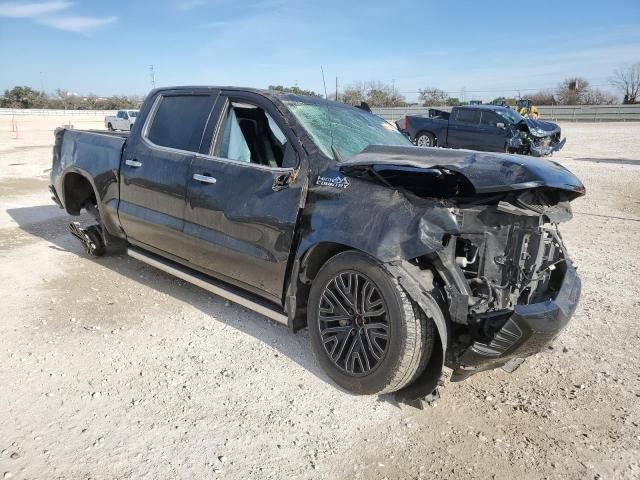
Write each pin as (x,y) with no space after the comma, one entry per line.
(180,120)
(468,116)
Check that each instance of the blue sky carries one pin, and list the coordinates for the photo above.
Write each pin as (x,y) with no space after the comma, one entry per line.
(484,47)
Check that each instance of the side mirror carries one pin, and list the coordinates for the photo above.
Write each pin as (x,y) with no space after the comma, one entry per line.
(500,125)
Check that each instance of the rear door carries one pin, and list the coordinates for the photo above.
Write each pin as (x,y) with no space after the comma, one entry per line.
(464,129)
(244,193)
(155,168)
(495,133)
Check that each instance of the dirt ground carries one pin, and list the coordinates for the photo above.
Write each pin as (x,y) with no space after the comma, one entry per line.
(110,369)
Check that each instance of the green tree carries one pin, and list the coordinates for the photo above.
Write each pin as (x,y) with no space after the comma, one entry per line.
(23,97)
(295,90)
(375,93)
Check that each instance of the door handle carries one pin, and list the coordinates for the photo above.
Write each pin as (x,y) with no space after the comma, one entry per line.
(204,178)
(133,163)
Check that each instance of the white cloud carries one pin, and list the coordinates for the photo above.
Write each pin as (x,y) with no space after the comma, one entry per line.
(76,24)
(30,10)
(49,13)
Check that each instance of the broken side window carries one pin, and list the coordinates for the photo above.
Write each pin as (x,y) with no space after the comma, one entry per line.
(251,135)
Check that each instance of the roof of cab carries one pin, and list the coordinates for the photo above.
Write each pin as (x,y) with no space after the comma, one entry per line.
(266,93)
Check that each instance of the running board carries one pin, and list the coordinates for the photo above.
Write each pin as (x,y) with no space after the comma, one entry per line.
(232,294)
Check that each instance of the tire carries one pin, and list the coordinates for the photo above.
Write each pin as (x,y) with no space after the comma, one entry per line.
(425,139)
(97,248)
(110,244)
(110,127)
(380,346)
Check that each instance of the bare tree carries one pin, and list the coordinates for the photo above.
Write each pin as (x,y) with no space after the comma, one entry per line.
(572,91)
(63,96)
(433,97)
(627,80)
(354,94)
(598,97)
(543,97)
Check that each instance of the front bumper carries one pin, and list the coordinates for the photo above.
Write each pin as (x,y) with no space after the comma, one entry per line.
(528,331)
(543,150)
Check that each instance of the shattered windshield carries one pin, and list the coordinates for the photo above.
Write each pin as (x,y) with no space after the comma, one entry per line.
(350,129)
(510,115)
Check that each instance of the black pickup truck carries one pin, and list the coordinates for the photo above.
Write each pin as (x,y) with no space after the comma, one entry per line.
(398,259)
(483,127)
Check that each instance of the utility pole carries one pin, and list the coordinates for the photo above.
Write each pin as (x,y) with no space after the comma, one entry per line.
(153,76)
(336,89)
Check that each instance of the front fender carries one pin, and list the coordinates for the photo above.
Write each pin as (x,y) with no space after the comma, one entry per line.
(375,219)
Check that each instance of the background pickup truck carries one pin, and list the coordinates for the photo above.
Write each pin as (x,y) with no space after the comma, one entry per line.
(122,120)
(398,259)
(483,127)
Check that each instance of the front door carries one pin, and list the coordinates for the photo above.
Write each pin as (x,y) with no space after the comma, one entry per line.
(243,197)
(495,132)
(155,169)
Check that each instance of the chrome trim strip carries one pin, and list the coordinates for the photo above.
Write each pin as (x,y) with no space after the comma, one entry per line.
(165,266)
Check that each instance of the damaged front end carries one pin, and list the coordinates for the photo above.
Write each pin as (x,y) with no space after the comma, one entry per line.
(535,137)
(516,287)
(508,282)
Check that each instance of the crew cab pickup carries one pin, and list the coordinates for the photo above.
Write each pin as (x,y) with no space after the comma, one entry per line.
(122,120)
(483,127)
(398,259)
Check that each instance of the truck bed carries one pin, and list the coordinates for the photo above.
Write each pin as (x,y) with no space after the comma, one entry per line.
(92,154)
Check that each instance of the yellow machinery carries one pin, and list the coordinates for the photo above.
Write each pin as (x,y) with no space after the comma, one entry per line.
(526,108)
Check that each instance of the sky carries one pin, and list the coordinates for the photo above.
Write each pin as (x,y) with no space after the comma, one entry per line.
(473,49)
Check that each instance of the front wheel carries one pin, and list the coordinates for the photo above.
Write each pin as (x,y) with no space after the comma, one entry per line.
(365,332)
(425,140)
(110,127)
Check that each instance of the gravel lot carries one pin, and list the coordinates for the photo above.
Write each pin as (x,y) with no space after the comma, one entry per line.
(110,369)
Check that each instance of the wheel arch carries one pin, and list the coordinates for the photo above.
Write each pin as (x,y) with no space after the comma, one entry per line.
(305,269)
(77,188)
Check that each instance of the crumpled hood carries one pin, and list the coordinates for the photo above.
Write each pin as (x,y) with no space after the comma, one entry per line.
(486,172)
(540,128)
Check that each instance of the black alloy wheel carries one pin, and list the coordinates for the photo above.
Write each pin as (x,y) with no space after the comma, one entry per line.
(353,323)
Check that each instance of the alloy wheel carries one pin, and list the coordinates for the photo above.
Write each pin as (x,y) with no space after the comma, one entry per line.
(424,141)
(353,323)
